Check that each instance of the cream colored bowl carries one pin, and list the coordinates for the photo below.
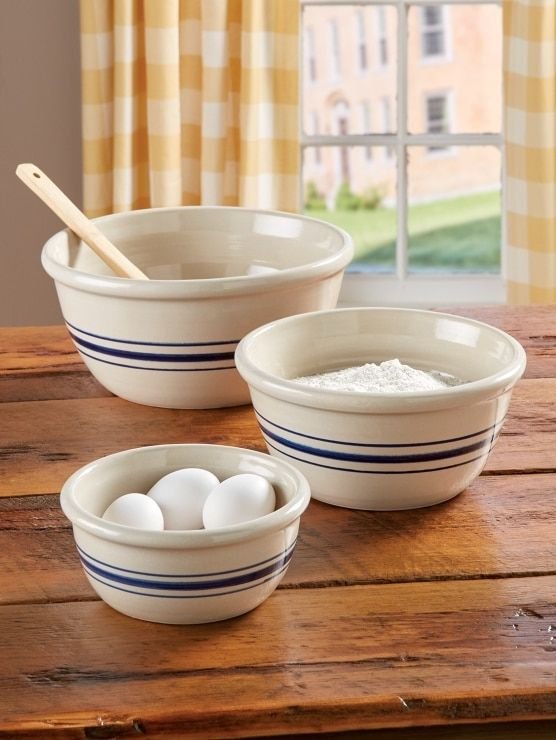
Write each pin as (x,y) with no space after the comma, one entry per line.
(381,450)
(216,273)
(182,577)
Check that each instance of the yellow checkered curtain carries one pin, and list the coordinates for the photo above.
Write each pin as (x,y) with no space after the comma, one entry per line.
(189,102)
(530,129)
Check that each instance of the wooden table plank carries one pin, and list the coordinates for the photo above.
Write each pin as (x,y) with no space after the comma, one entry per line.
(31,355)
(402,654)
(471,536)
(433,617)
(37,457)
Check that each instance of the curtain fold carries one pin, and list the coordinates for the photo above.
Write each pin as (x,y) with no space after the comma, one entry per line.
(189,102)
(530,151)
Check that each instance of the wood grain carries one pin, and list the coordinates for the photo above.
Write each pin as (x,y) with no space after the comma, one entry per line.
(38,351)
(495,529)
(432,624)
(37,457)
(402,654)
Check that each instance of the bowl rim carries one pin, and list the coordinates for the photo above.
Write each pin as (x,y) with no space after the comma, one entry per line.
(199,287)
(365,402)
(185,539)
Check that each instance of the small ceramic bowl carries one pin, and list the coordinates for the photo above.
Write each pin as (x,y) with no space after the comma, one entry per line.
(182,577)
(215,274)
(378,450)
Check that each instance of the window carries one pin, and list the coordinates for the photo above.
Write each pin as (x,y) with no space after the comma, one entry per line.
(426,232)
(433,41)
(437,115)
(335,49)
(361,41)
(366,126)
(310,61)
(382,36)
(315,131)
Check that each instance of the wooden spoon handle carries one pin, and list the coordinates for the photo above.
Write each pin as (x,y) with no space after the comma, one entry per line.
(76,220)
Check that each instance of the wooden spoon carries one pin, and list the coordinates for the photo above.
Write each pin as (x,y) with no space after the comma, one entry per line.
(76,220)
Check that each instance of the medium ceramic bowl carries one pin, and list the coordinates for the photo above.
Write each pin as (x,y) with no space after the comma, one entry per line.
(182,577)
(216,273)
(378,450)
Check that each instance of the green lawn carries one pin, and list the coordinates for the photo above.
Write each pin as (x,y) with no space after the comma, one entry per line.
(457,234)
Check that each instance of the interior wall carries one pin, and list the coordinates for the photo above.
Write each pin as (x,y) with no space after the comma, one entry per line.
(39,123)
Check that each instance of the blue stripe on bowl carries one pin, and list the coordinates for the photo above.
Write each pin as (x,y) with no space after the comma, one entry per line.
(195,587)
(193,357)
(103,563)
(417,457)
(491,428)
(376,472)
(159,369)
(149,344)
(188,596)
(127,354)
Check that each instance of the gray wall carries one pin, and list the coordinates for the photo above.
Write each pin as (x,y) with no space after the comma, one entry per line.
(39,123)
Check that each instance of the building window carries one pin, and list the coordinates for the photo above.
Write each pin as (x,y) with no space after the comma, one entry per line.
(310,59)
(381,35)
(361,41)
(366,126)
(386,113)
(433,36)
(335,49)
(315,130)
(437,118)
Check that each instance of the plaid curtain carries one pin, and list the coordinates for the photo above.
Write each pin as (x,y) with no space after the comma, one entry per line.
(189,102)
(530,130)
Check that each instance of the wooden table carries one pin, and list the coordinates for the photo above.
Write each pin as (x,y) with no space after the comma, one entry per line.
(441,621)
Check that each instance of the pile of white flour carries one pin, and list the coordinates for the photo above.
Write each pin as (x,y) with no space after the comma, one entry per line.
(391,376)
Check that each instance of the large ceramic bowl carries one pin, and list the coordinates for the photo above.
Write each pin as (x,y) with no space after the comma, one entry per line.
(182,577)
(375,450)
(215,274)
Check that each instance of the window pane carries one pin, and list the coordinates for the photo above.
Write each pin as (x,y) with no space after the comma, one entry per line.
(454,209)
(349,62)
(354,188)
(456,51)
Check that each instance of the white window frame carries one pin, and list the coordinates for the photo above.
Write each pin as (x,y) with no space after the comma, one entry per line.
(403,288)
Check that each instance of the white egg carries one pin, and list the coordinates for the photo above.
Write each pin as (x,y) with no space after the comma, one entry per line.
(240,498)
(181,496)
(135,510)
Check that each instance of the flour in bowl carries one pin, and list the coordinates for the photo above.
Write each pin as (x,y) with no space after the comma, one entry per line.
(391,376)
